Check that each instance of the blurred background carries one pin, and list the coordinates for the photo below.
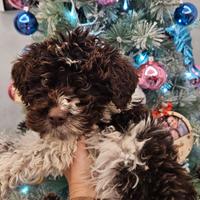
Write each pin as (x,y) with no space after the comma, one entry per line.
(11,44)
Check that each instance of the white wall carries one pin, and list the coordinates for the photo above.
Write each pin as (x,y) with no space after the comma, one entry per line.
(11,43)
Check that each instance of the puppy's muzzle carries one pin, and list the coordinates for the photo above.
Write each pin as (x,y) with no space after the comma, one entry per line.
(56,116)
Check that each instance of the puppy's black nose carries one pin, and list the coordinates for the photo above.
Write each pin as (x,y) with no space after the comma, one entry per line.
(56,116)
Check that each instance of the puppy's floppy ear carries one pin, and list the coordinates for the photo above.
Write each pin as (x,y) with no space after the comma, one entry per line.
(123,80)
(106,62)
(18,75)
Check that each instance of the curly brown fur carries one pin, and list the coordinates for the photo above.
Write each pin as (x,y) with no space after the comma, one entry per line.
(163,178)
(156,175)
(78,65)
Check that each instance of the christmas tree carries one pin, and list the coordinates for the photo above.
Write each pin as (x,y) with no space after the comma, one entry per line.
(155,36)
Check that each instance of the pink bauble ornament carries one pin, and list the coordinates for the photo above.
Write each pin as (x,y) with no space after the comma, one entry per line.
(151,76)
(16,3)
(106,2)
(13,93)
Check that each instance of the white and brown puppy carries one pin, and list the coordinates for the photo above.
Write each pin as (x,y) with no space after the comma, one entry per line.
(79,85)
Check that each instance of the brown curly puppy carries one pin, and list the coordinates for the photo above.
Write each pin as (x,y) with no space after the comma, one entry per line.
(80,85)
(66,83)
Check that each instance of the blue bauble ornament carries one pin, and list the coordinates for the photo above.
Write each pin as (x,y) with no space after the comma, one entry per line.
(25,23)
(140,59)
(185,14)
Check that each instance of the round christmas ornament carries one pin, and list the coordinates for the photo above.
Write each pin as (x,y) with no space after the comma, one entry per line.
(106,2)
(13,93)
(25,23)
(140,59)
(151,75)
(18,4)
(185,14)
(181,132)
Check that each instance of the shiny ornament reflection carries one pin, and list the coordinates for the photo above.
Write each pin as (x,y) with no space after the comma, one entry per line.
(140,59)
(185,14)
(25,23)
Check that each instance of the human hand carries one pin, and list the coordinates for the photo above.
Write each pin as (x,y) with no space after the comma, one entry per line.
(78,173)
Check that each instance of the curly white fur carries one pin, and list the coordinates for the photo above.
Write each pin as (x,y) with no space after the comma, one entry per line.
(115,148)
(137,97)
(29,157)
(32,158)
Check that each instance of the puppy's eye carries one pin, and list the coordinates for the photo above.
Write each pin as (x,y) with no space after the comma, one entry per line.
(44,82)
(45,79)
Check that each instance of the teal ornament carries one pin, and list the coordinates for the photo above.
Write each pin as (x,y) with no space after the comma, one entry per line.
(189,75)
(185,14)
(166,88)
(24,189)
(188,55)
(125,5)
(26,23)
(140,59)
(172,30)
(71,16)
(181,36)
(183,42)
